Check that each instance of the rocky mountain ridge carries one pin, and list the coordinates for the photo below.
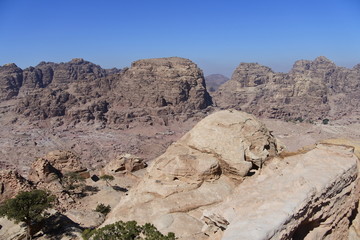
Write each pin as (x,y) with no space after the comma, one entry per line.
(312,90)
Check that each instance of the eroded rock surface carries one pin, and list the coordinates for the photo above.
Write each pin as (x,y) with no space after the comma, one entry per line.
(124,163)
(11,183)
(199,170)
(306,196)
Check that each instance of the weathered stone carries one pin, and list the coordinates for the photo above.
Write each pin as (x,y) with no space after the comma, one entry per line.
(305,196)
(11,183)
(86,219)
(124,163)
(199,170)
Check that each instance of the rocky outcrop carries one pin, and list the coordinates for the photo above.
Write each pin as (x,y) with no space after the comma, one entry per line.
(65,162)
(124,163)
(305,196)
(160,88)
(11,78)
(46,73)
(199,170)
(201,187)
(227,142)
(312,90)
(11,183)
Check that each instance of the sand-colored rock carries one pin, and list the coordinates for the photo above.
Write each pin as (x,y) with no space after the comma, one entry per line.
(305,196)
(124,163)
(86,219)
(198,171)
(11,183)
(11,231)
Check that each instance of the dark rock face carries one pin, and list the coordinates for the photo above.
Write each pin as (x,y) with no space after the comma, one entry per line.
(82,92)
(159,87)
(312,90)
(11,78)
(214,81)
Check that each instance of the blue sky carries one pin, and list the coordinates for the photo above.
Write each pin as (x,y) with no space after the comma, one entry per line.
(217,35)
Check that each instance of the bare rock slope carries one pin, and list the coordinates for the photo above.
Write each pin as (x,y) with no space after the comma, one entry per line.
(312,90)
(204,186)
(199,170)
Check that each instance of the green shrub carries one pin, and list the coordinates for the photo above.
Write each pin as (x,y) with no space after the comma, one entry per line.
(126,231)
(101,208)
(29,208)
(107,178)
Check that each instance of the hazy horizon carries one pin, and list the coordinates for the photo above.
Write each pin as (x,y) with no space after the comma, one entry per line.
(216,35)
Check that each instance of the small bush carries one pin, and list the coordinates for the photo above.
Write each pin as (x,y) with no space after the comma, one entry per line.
(127,231)
(107,178)
(101,208)
(299,119)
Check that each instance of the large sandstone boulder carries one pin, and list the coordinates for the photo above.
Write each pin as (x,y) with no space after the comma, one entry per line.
(305,196)
(199,170)
(11,183)
(227,142)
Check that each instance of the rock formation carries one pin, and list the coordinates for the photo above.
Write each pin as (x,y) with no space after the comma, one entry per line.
(202,187)
(82,92)
(312,90)
(199,170)
(124,163)
(11,79)
(305,196)
(11,183)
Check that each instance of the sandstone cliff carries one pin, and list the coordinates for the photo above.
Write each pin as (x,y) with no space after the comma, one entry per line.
(312,90)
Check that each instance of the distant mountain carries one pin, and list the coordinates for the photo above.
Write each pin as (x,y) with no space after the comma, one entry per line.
(312,90)
(81,91)
(213,81)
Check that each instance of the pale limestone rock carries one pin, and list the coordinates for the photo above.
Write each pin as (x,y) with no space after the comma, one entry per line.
(85,218)
(11,231)
(199,170)
(306,196)
(228,142)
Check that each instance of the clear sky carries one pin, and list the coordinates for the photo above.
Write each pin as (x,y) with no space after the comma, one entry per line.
(217,35)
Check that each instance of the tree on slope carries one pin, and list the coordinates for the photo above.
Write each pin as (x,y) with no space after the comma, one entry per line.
(27,207)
